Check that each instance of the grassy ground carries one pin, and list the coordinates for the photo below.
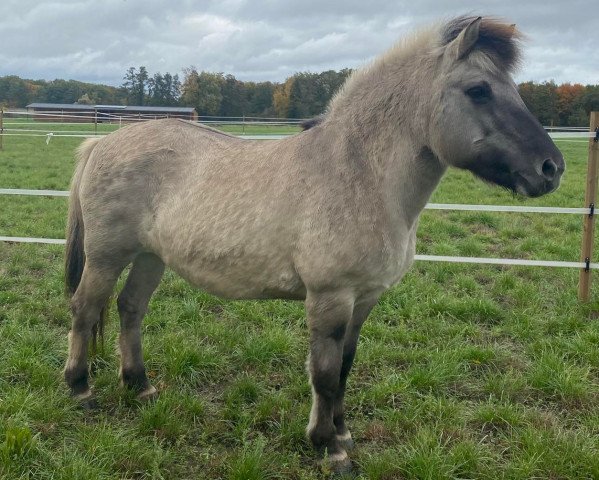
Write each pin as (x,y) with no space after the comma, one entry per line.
(463,371)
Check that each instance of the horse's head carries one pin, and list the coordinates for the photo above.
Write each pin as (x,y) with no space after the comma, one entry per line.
(479,122)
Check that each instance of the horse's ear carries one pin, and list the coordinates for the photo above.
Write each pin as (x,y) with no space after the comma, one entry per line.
(512,29)
(466,40)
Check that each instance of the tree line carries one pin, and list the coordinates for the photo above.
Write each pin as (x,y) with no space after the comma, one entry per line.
(302,95)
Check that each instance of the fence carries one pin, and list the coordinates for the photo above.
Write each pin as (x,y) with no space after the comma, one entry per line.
(563,133)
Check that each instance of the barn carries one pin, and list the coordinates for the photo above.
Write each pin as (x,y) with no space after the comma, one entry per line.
(75,112)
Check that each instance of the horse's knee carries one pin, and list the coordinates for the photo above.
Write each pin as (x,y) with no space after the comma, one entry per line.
(126,306)
(325,381)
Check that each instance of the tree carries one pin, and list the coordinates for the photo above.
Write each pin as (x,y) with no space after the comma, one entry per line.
(234,101)
(312,92)
(61,91)
(14,91)
(164,90)
(328,83)
(303,96)
(260,98)
(569,99)
(85,100)
(136,85)
(590,100)
(541,100)
(281,98)
(202,91)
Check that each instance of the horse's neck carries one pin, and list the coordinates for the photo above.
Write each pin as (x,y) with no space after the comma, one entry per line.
(377,113)
(409,176)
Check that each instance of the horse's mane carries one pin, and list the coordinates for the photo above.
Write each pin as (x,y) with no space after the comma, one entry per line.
(497,40)
(312,122)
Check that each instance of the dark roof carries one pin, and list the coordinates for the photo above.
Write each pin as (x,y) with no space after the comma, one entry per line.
(62,106)
(132,108)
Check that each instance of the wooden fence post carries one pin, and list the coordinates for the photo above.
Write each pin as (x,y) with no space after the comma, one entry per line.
(588,233)
(1,127)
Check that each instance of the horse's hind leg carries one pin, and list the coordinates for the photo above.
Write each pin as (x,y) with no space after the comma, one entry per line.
(329,314)
(361,311)
(90,298)
(133,302)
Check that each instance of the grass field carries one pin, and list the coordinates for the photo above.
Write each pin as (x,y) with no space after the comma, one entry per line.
(463,371)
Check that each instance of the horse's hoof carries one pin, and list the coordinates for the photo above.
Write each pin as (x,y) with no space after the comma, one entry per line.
(337,464)
(147,395)
(86,400)
(346,441)
(90,404)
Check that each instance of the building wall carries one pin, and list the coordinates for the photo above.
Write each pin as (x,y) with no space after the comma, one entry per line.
(72,116)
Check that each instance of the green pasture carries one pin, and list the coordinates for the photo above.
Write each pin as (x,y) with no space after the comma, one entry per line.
(463,371)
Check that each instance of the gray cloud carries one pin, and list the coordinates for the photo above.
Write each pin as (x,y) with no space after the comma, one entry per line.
(266,39)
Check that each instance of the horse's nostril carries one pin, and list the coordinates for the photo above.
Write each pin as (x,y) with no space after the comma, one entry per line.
(549,169)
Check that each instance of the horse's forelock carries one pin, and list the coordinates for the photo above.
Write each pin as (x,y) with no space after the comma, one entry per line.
(498,39)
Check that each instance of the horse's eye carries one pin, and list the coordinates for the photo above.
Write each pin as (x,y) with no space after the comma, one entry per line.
(480,93)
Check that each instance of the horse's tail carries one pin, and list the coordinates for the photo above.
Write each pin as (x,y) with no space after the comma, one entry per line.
(75,253)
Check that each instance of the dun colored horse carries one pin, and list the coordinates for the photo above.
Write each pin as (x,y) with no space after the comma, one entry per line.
(327,216)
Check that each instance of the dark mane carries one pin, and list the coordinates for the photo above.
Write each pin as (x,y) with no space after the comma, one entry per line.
(312,122)
(497,39)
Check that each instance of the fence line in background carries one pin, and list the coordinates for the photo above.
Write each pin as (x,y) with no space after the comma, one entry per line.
(212,119)
(56,241)
(44,193)
(507,261)
(216,118)
(16,132)
(429,258)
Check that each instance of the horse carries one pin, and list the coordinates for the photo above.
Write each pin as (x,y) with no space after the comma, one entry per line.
(327,216)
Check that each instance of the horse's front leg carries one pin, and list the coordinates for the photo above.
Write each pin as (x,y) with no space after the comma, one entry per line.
(329,315)
(361,311)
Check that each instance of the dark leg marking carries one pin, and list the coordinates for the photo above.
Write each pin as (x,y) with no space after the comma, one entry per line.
(360,314)
(328,317)
(91,296)
(133,300)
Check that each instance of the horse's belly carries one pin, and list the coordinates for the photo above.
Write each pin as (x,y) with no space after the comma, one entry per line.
(243,278)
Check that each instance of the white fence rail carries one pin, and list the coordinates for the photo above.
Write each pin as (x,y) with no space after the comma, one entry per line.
(429,206)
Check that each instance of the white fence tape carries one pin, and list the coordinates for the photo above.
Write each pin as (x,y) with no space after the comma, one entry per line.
(505,261)
(429,258)
(505,208)
(580,135)
(429,206)
(43,193)
(57,241)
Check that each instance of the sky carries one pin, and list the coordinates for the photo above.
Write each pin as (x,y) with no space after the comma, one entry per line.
(259,40)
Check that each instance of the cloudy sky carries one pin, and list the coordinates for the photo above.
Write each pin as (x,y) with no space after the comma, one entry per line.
(97,40)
